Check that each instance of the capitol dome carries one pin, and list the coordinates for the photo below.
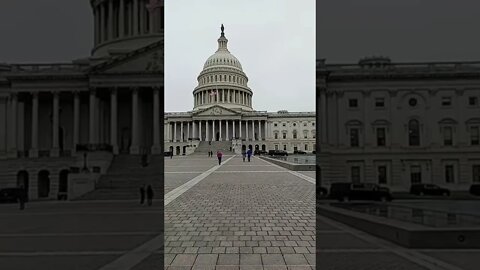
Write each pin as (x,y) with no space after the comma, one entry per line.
(222,81)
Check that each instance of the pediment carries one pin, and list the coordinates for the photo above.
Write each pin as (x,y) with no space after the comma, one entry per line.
(148,59)
(216,111)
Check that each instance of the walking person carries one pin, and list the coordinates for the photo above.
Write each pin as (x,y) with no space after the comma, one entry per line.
(149,195)
(22,197)
(219,156)
(142,194)
(249,154)
(244,155)
(171,154)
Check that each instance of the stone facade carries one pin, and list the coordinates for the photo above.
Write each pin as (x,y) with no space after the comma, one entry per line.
(103,105)
(223,112)
(399,123)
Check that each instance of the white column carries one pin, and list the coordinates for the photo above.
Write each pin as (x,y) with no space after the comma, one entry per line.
(113,121)
(246,130)
(134,148)
(14,115)
(207,138)
(200,130)
(194,126)
(121,19)
(142,16)
(110,19)
(253,130)
(226,131)
(240,124)
(175,131)
(135,17)
(214,134)
(260,130)
(34,148)
(55,151)
(181,131)
(156,148)
(233,123)
(76,120)
(220,129)
(91,126)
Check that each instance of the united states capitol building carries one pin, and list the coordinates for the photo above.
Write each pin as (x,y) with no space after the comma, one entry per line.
(223,116)
(59,119)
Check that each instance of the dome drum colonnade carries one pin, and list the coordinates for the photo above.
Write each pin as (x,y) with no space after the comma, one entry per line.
(122,24)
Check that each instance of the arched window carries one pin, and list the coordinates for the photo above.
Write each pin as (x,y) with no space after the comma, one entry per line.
(413,133)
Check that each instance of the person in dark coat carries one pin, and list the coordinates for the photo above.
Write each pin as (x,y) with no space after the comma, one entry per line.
(142,194)
(249,154)
(22,197)
(149,195)
(171,154)
(219,156)
(244,154)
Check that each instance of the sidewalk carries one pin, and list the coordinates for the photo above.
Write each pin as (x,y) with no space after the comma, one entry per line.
(240,216)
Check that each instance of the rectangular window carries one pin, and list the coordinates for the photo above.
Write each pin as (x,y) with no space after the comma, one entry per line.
(355,174)
(382,174)
(353,103)
(415,174)
(285,147)
(306,147)
(379,102)
(475,135)
(305,135)
(449,177)
(294,135)
(381,137)
(276,146)
(284,135)
(354,137)
(276,135)
(447,136)
(476,173)
(446,101)
(473,101)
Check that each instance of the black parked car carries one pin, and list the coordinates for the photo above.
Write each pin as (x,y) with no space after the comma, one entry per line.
(428,189)
(277,153)
(359,191)
(475,189)
(10,195)
(299,152)
(259,152)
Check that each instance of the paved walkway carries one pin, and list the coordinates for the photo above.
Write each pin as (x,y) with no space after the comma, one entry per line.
(238,215)
(82,235)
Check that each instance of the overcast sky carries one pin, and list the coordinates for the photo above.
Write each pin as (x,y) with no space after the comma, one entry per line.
(404,30)
(35,31)
(274,40)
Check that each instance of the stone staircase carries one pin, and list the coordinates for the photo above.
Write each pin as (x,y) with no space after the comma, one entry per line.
(125,176)
(204,147)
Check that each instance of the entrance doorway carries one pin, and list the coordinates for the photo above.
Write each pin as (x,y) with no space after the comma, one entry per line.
(217,136)
(264,147)
(178,150)
(43,184)
(63,185)
(125,141)
(184,150)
